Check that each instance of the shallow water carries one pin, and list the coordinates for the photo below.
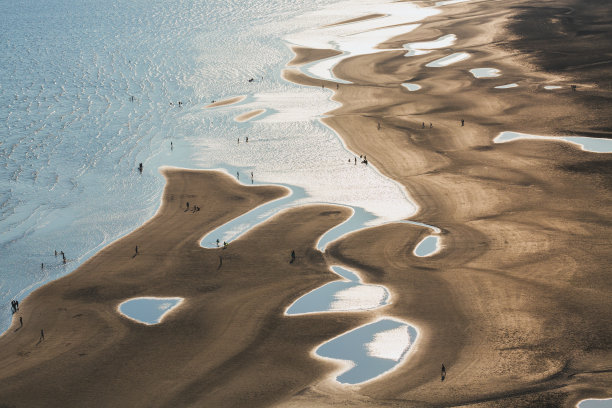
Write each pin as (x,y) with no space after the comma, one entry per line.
(485,72)
(341,296)
(148,310)
(551,87)
(595,403)
(370,350)
(448,60)
(513,85)
(83,101)
(425,47)
(428,246)
(590,144)
(412,87)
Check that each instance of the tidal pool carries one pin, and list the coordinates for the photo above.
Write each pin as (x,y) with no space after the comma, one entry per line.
(428,246)
(589,144)
(412,87)
(485,72)
(595,403)
(370,350)
(513,85)
(448,60)
(341,296)
(148,310)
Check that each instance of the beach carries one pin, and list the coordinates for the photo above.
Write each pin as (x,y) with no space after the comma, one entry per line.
(515,304)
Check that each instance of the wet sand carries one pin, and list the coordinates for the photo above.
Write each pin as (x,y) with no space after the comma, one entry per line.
(516,304)
(249,115)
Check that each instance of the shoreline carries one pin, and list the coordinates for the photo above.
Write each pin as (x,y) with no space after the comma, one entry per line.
(477,303)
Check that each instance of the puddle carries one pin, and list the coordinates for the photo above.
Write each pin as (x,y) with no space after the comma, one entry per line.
(589,144)
(148,310)
(428,246)
(370,350)
(595,403)
(506,86)
(412,87)
(551,87)
(485,72)
(341,296)
(448,60)
(425,47)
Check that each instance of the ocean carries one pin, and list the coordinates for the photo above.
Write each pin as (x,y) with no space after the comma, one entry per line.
(89,90)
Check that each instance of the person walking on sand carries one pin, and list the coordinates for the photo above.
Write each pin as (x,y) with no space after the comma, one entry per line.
(462,122)
(42,335)
(292,256)
(443,374)
(430,125)
(20,321)
(136,252)
(378,126)
(423,125)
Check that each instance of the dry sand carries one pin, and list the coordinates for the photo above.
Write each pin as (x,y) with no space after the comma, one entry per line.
(516,305)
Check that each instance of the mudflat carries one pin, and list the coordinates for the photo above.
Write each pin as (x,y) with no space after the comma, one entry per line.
(516,305)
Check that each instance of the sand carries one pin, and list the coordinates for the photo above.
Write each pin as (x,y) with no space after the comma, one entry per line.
(516,304)
(244,117)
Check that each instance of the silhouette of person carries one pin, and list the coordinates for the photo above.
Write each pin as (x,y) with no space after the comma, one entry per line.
(443,374)
(292,256)
(42,335)
(20,321)
(136,250)
(462,122)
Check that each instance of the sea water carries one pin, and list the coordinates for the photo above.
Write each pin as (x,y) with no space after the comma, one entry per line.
(88,90)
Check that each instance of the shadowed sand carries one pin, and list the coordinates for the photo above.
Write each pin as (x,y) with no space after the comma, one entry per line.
(516,304)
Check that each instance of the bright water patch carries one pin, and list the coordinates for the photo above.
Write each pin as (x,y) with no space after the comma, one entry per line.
(485,72)
(449,2)
(370,350)
(412,87)
(595,403)
(148,310)
(551,87)
(589,144)
(513,85)
(341,296)
(428,246)
(425,47)
(448,60)
(359,37)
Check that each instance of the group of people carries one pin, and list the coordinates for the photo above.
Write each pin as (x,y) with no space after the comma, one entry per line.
(195,208)
(14,306)
(63,256)
(363,158)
